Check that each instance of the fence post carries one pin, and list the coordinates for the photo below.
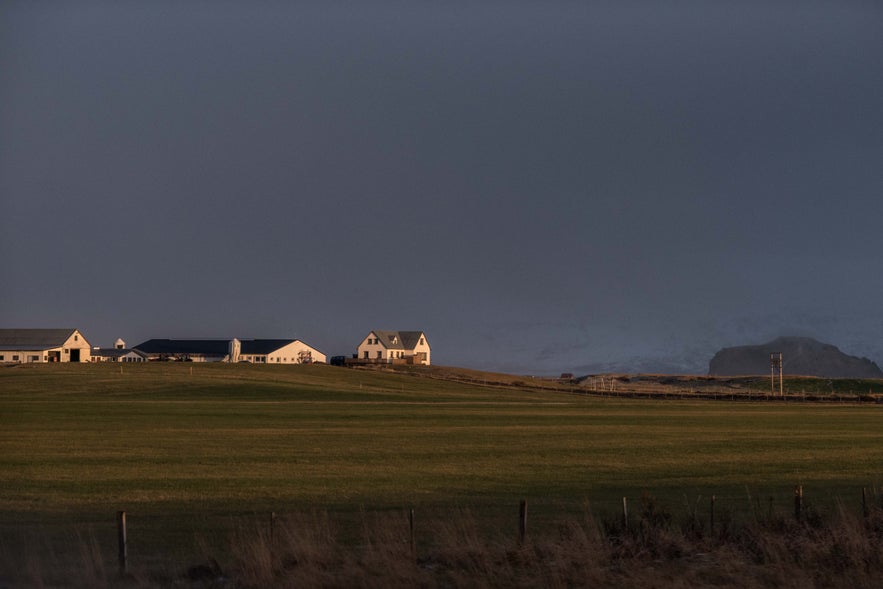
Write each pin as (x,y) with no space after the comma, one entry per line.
(121,537)
(625,513)
(798,502)
(712,513)
(522,521)
(272,525)
(413,540)
(865,511)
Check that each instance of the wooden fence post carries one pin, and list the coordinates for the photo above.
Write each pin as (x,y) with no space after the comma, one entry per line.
(522,521)
(798,502)
(712,513)
(413,540)
(625,513)
(865,511)
(121,537)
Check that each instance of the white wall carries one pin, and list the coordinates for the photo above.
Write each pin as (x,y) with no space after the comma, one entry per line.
(290,354)
(76,342)
(424,347)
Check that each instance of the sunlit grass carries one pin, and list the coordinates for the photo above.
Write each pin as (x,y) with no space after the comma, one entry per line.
(185,448)
(84,437)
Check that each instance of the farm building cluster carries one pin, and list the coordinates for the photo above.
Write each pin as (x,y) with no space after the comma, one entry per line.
(19,346)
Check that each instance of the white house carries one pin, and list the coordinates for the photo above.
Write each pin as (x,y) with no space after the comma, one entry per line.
(43,345)
(279,351)
(395,347)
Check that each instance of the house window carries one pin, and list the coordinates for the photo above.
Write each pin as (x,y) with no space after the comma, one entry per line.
(15,357)
(380,353)
(1,358)
(76,338)
(421,341)
(366,354)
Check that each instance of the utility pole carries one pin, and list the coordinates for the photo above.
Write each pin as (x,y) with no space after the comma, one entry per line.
(776,364)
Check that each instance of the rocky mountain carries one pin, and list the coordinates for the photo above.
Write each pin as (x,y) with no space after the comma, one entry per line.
(801,356)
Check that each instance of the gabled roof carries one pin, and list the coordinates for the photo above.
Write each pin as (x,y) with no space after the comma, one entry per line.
(34,339)
(399,340)
(262,347)
(201,347)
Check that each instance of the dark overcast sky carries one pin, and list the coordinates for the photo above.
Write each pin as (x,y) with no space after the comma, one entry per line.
(540,186)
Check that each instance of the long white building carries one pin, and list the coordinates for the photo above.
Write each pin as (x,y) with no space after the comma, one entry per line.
(256,351)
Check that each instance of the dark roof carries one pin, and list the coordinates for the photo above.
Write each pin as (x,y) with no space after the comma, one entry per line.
(33,339)
(115,352)
(399,340)
(262,347)
(197,347)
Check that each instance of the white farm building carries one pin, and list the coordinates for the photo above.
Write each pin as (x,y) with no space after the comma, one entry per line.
(256,351)
(279,351)
(118,353)
(43,345)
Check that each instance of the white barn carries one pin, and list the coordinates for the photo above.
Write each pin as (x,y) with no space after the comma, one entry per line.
(395,347)
(43,345)
(279,351)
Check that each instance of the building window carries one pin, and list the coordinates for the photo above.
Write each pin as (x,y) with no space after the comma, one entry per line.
(1,358)
(76,338)
(366,354)
(421,341)
(15,358)
(380,353)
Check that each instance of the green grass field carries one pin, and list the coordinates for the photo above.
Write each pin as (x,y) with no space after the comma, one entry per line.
(187,443)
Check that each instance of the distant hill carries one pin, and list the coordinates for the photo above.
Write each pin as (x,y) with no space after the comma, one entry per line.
(801,356)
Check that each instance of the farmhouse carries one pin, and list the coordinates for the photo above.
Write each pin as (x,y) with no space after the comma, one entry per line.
(394,347)
(118,353)
(43,345)
(258,351)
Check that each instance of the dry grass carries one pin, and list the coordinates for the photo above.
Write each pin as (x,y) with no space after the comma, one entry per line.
(656,549)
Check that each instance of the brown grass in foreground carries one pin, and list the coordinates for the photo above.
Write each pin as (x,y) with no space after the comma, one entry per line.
(306,550)
(653,552)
